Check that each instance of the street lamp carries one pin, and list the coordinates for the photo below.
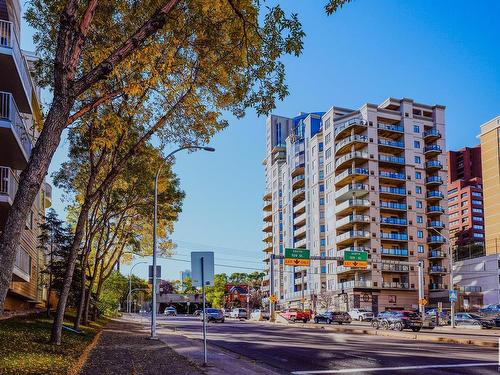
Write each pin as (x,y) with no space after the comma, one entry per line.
(153,310)
(129,297)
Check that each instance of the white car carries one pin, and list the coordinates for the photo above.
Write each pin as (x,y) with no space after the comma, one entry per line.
(361,314)
(238,313)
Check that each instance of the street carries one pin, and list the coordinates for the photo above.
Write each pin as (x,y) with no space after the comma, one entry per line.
(298,350)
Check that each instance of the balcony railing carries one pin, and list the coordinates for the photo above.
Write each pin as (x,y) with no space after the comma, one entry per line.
(348,123)
(394,236)
(435,194)
(395,267)
(433,164)
(351,187)
(9,39)
(350,171)
(393,205)
(9,112)
(437,269)
(351,203)
(298,191)
(433,179)
(353,219)
(391,127)
(353,234)
(436,239)
(300,177)
(432,133)
(391,143)
(435,286)
(353,284)
(8,182)
(352,138)
(392,190)
(392,159)
(395,285)
(470,289)
(351,155)
(396,252)
(436,254)
(432,148)
(435,224)
(395,175)
(393,221)
(435,209)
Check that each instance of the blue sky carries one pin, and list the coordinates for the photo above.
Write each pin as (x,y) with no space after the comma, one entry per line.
(436,52)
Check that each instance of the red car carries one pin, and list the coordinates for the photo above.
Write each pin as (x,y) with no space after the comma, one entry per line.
(296,314)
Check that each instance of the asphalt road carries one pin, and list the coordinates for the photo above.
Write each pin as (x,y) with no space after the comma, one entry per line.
(288,349)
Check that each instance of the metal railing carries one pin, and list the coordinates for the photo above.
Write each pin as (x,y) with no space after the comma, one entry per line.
(395,175)
(350,171)
(432,148)
(436,254)
(435,194)
(392,190)
(351,155)
(437,269)
(9,112)
(432,132)
(432,179)
(352,219)
(435,224)
(397,267)
(433,163)
(392,159)
(388,142)
(353,234)
(351,203)
(9,39)
(394,236)
(353,284)
(351,187)
(393,220)
(435,209)
(352,138)
(348,123)
(8,182)
(436,239)
(394,205)
(395,285)
(391,127)
(396,251)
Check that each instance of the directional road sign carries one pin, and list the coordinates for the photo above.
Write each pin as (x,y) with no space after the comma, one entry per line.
(356,255)
(453,295)
(297,257)
(355,263)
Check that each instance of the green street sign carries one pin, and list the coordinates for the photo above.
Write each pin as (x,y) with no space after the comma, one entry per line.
(356,255)
(297,253)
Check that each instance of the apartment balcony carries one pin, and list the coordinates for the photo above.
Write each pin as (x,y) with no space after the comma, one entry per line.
(267,196)
(298,169)
(267,227)
(435,210)
(392,191)
(16,76)
(356,124)
(395,252)
(393,221)
(268,206)
(470,289)
(300,219)
(434,195)
(389,145)
(433,181)
(268,247)
(390,128)
(436,254)
(437,287)
(347,159)
(433,165)
(432,150)
(16,142)
(298,181)
(437,270)
(394,267)
(392,206)
(393,236)
(358,141)
(350,220)
(386,175)
(299,195)
(432,135)
(22,266)
(47,195)
(299,208)
(300,243)
(395,285)
(347,270)
(352,236)
(351,190)
(434,240)
(268,238)
(352,284)
(387,159)
(350,204)
(356,174)
(267,216)
(340,253)
(8,189)
(435,224)
(300,232)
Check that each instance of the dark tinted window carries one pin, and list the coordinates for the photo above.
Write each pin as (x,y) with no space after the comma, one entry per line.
(212,311)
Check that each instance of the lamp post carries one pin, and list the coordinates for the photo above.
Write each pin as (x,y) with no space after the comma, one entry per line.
(153,310)
(129,297)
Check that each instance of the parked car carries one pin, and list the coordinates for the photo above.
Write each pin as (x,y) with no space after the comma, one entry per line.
(432,313)
(469,319)
(360,314)
(197,312)
(258,314)
(142,311)
(490,310)
(227,313)
(330,317)
(238,313)
(400,320)
(170,311)
(296,314)
(381,317)
(214,315)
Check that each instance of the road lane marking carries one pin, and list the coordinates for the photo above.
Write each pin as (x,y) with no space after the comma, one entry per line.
(371,369)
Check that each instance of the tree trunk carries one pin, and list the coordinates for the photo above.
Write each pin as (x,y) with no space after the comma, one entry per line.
(29,186)
(81,303)
(87,303)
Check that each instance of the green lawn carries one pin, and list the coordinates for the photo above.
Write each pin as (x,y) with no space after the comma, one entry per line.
(24,348)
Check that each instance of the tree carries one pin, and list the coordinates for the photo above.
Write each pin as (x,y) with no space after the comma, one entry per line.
(325,300)
(215,294)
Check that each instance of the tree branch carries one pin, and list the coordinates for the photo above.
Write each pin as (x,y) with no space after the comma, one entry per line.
(89,107)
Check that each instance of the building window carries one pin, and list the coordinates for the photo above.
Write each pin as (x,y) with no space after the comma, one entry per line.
(453,199)
(477,218)
(321,146)
(477,226)
(416,129)
(420,248)
(476,194)
(420,234)
(476,202)
(392,299)
(463,204)
(416,144)
(417,160)
(321,201)
(453,206)
(322,228)
(478,235)
(328,152)
(321,175)
(328,137)
(418,175)
(463,195)
(466,211)
(477,210)
(322,242)
(418,189)
(420,219)
(419,204)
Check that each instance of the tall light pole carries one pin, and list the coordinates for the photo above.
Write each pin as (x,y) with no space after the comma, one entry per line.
(129,297)
(155,245)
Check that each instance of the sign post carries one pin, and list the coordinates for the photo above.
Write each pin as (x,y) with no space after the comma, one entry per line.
(297,257)
(453,295)
(202,273)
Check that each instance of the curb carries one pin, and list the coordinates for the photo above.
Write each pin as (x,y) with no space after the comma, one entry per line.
(77,367)
(404,335)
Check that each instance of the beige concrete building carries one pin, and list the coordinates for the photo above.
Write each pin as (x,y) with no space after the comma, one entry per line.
(490,159)
(19,114)
(369,180)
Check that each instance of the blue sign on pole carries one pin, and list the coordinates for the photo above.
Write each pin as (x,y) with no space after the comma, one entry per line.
(453,295)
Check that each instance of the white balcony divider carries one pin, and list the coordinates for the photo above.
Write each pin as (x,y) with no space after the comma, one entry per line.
(9,112)
(8,182)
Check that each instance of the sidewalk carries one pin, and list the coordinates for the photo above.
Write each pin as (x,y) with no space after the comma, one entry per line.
(124,349)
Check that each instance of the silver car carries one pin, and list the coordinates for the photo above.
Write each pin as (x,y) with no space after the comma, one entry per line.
(361,315)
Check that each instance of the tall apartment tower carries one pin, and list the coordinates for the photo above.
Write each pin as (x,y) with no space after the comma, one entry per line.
(369,180)
(19,112)
(490,158)
(465,196)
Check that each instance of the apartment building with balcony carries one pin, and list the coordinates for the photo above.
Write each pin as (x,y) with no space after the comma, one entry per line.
(19,116)
(465,197)
(374,181)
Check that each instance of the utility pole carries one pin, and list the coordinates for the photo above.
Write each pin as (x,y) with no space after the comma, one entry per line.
(421,307)
(302,289)
(271,289)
